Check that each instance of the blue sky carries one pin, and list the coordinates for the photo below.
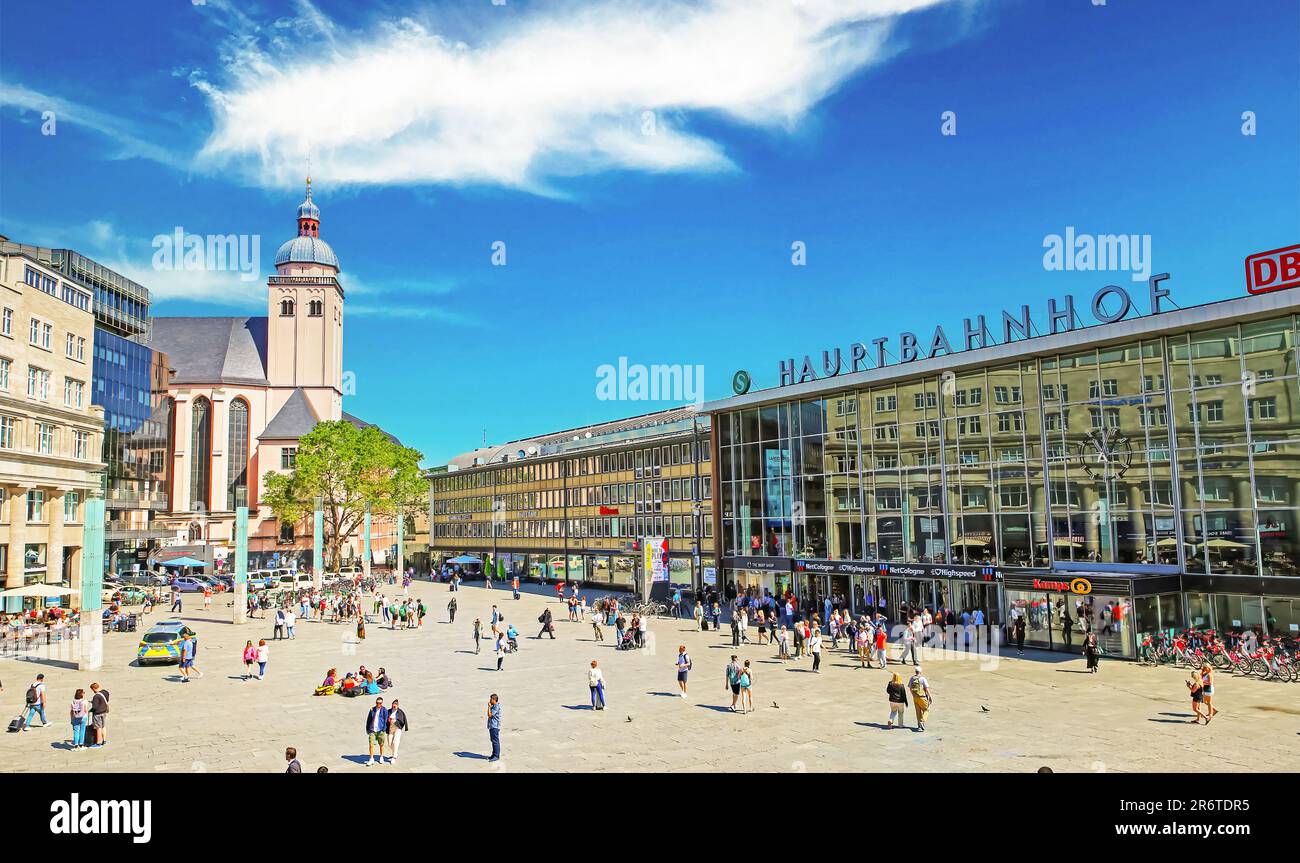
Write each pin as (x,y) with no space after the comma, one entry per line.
(437,129)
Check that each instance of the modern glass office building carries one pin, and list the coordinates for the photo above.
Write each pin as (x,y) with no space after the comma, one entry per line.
(1143,474)
(574,505)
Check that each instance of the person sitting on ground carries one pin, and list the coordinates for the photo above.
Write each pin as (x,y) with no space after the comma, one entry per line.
(349,687)
(370,686)
(383,681)
(327,686)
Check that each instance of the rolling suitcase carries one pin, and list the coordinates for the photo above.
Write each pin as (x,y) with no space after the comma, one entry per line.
(17,724)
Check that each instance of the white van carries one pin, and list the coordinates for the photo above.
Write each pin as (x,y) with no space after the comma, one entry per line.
(289,578)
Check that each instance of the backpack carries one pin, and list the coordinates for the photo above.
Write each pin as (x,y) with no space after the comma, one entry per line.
(918,691)
(32,696)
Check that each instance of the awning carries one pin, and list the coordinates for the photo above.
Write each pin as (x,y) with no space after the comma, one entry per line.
(182,561)
(464,558)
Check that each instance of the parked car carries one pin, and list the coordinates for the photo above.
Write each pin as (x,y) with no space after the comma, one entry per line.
(190,584)
(287,578)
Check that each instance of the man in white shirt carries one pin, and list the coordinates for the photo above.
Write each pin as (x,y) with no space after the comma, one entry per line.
(289,620)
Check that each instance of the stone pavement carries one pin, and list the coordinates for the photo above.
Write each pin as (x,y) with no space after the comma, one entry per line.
(1006,714)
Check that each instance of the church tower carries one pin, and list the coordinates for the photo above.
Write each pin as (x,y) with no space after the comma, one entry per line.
(305,319)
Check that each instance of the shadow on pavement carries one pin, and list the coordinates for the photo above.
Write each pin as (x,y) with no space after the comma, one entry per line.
(477,755)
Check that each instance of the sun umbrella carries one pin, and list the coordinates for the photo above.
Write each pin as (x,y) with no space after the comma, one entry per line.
(464,558)
(1225,543)
(182,561)
(45,590)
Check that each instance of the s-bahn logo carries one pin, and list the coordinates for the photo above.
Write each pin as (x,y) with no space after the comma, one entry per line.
(1273,271)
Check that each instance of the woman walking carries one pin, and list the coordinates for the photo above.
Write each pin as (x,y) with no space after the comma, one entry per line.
(897,694)
(862,639)
(397,726)
(761,620)
(783,644)
(500,648)
(250,656)
(1092,652)
(596,682)
(263,657)
(478,634)
(746,680)
(1194,686)
(1207,691)
(78,713)
(815,648)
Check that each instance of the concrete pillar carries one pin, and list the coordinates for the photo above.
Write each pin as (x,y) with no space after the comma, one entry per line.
(17,535)
(54,535)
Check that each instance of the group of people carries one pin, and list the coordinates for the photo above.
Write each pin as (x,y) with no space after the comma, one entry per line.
(361,682)
(88,711)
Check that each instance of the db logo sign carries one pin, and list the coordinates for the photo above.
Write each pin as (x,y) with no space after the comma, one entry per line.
(1080,585)
(1273,271)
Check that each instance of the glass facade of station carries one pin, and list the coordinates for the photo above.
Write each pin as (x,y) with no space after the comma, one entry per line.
(1173,453)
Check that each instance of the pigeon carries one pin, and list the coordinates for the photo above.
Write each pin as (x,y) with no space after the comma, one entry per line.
(629,719)
(985,709)
(774,704)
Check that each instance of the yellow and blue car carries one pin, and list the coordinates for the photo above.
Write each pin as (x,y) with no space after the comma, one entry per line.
(162,643)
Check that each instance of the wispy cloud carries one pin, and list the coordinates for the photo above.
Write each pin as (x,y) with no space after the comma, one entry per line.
(581,88)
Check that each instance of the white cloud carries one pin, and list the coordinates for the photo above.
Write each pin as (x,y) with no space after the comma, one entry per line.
(539,95)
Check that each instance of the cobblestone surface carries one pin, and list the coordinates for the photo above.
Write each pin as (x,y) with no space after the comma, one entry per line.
(1003,714)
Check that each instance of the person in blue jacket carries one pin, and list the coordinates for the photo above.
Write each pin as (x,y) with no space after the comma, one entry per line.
(377,730)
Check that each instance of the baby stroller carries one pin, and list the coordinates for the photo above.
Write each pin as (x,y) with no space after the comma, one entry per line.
(626,642)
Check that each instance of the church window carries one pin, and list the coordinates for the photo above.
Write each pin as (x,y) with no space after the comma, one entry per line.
(200,453)
(286,308)
(316,308)
(237,456)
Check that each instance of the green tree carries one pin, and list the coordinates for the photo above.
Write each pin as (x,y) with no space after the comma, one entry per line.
(347,467)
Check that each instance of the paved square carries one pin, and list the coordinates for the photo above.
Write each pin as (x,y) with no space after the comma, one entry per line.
(1042,710)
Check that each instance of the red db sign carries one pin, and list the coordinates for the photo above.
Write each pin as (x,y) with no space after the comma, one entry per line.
(1273,271)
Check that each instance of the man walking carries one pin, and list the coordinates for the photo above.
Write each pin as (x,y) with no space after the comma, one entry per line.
(99,715)
(733,681)
(494,726)
(291,756)
(683,668)
(176,598)
(478,633)
(548,628)
(451,610)
(921,697)
(279,624)
(35,702)
(376,730)
(187,656)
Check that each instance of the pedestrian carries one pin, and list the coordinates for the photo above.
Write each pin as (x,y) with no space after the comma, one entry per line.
(279,624)
(922,698)
(514,586)
(263,656)
(99,715)
(815,647)
(494,726)
(187,656)
(862,641)
(733,681)
(376,730)
(1020,634)
(1207,691)
(595,626)
(548,626)
(683,668)
(397,726)
(207,598)
(1195,686)
(176,598)
(735,629)
(291,757)
(897,695)
(882,653)
(451,610)
(499,647)
(289,621)
(478,633)
(1092,652)
(35,703)
(79,713)
(699,616)
(908,644)
(596,682)
(783,644)
(746,688)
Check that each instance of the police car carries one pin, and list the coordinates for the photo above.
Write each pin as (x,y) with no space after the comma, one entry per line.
(162,643)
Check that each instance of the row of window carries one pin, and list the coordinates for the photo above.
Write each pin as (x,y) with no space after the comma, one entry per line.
(641,494)
(315,308)
(644,462)
(35,506)
(46,438)
(69,294)
(675,526)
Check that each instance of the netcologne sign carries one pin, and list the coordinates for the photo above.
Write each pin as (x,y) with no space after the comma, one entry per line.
(1109,304)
